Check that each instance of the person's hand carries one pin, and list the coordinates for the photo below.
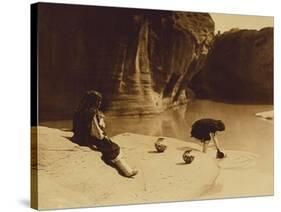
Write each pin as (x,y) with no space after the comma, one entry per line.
(102,125)
(106,137)
(220,154)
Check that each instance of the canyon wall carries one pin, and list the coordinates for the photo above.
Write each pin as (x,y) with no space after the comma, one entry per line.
(146,61)
(239,68)
(138,59)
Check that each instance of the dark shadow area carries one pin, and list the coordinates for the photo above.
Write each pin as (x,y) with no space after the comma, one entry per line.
(71,139)
(112,165)
(170,85)
(182,163)
(95,149)
(187,148)
(154,152)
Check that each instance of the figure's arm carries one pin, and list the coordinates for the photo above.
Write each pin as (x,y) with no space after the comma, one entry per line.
(216,141)
(220,153)
(96,131)
(102,123)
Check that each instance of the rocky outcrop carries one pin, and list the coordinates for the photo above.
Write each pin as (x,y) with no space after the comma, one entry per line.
(239,68)
(138,59)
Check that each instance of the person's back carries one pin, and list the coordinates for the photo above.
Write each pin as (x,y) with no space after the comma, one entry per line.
(81,126)
(206,130)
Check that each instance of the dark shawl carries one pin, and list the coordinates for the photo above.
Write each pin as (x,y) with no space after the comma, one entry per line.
(203,127)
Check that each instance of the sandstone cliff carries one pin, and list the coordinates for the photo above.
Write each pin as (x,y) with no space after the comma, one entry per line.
(138,59)
(239,68)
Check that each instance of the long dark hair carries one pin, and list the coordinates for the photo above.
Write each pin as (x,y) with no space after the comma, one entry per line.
(90,100)
(87,108)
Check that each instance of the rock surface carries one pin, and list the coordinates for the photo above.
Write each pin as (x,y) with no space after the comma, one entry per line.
(239,68)
(72,176)
(138,59)
(267,115)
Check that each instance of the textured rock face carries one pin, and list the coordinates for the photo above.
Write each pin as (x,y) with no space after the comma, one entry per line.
(239,68)
(138,59)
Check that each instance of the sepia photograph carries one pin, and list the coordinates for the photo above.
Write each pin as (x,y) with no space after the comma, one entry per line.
(133,106)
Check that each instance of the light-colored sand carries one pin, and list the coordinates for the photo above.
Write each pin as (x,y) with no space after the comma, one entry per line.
(240,177)
(72,176)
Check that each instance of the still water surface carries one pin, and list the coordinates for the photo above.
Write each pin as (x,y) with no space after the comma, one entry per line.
(244,131)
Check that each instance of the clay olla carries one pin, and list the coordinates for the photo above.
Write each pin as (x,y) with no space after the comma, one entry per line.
(161,145)
(188,157)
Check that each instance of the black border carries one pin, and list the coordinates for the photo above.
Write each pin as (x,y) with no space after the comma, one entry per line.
(34,104)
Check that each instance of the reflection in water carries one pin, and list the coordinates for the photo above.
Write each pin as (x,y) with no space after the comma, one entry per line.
(170,123)
(242,127)
(244,131)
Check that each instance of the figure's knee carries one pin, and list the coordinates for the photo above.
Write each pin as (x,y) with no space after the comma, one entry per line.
(115,150)
(110,151)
